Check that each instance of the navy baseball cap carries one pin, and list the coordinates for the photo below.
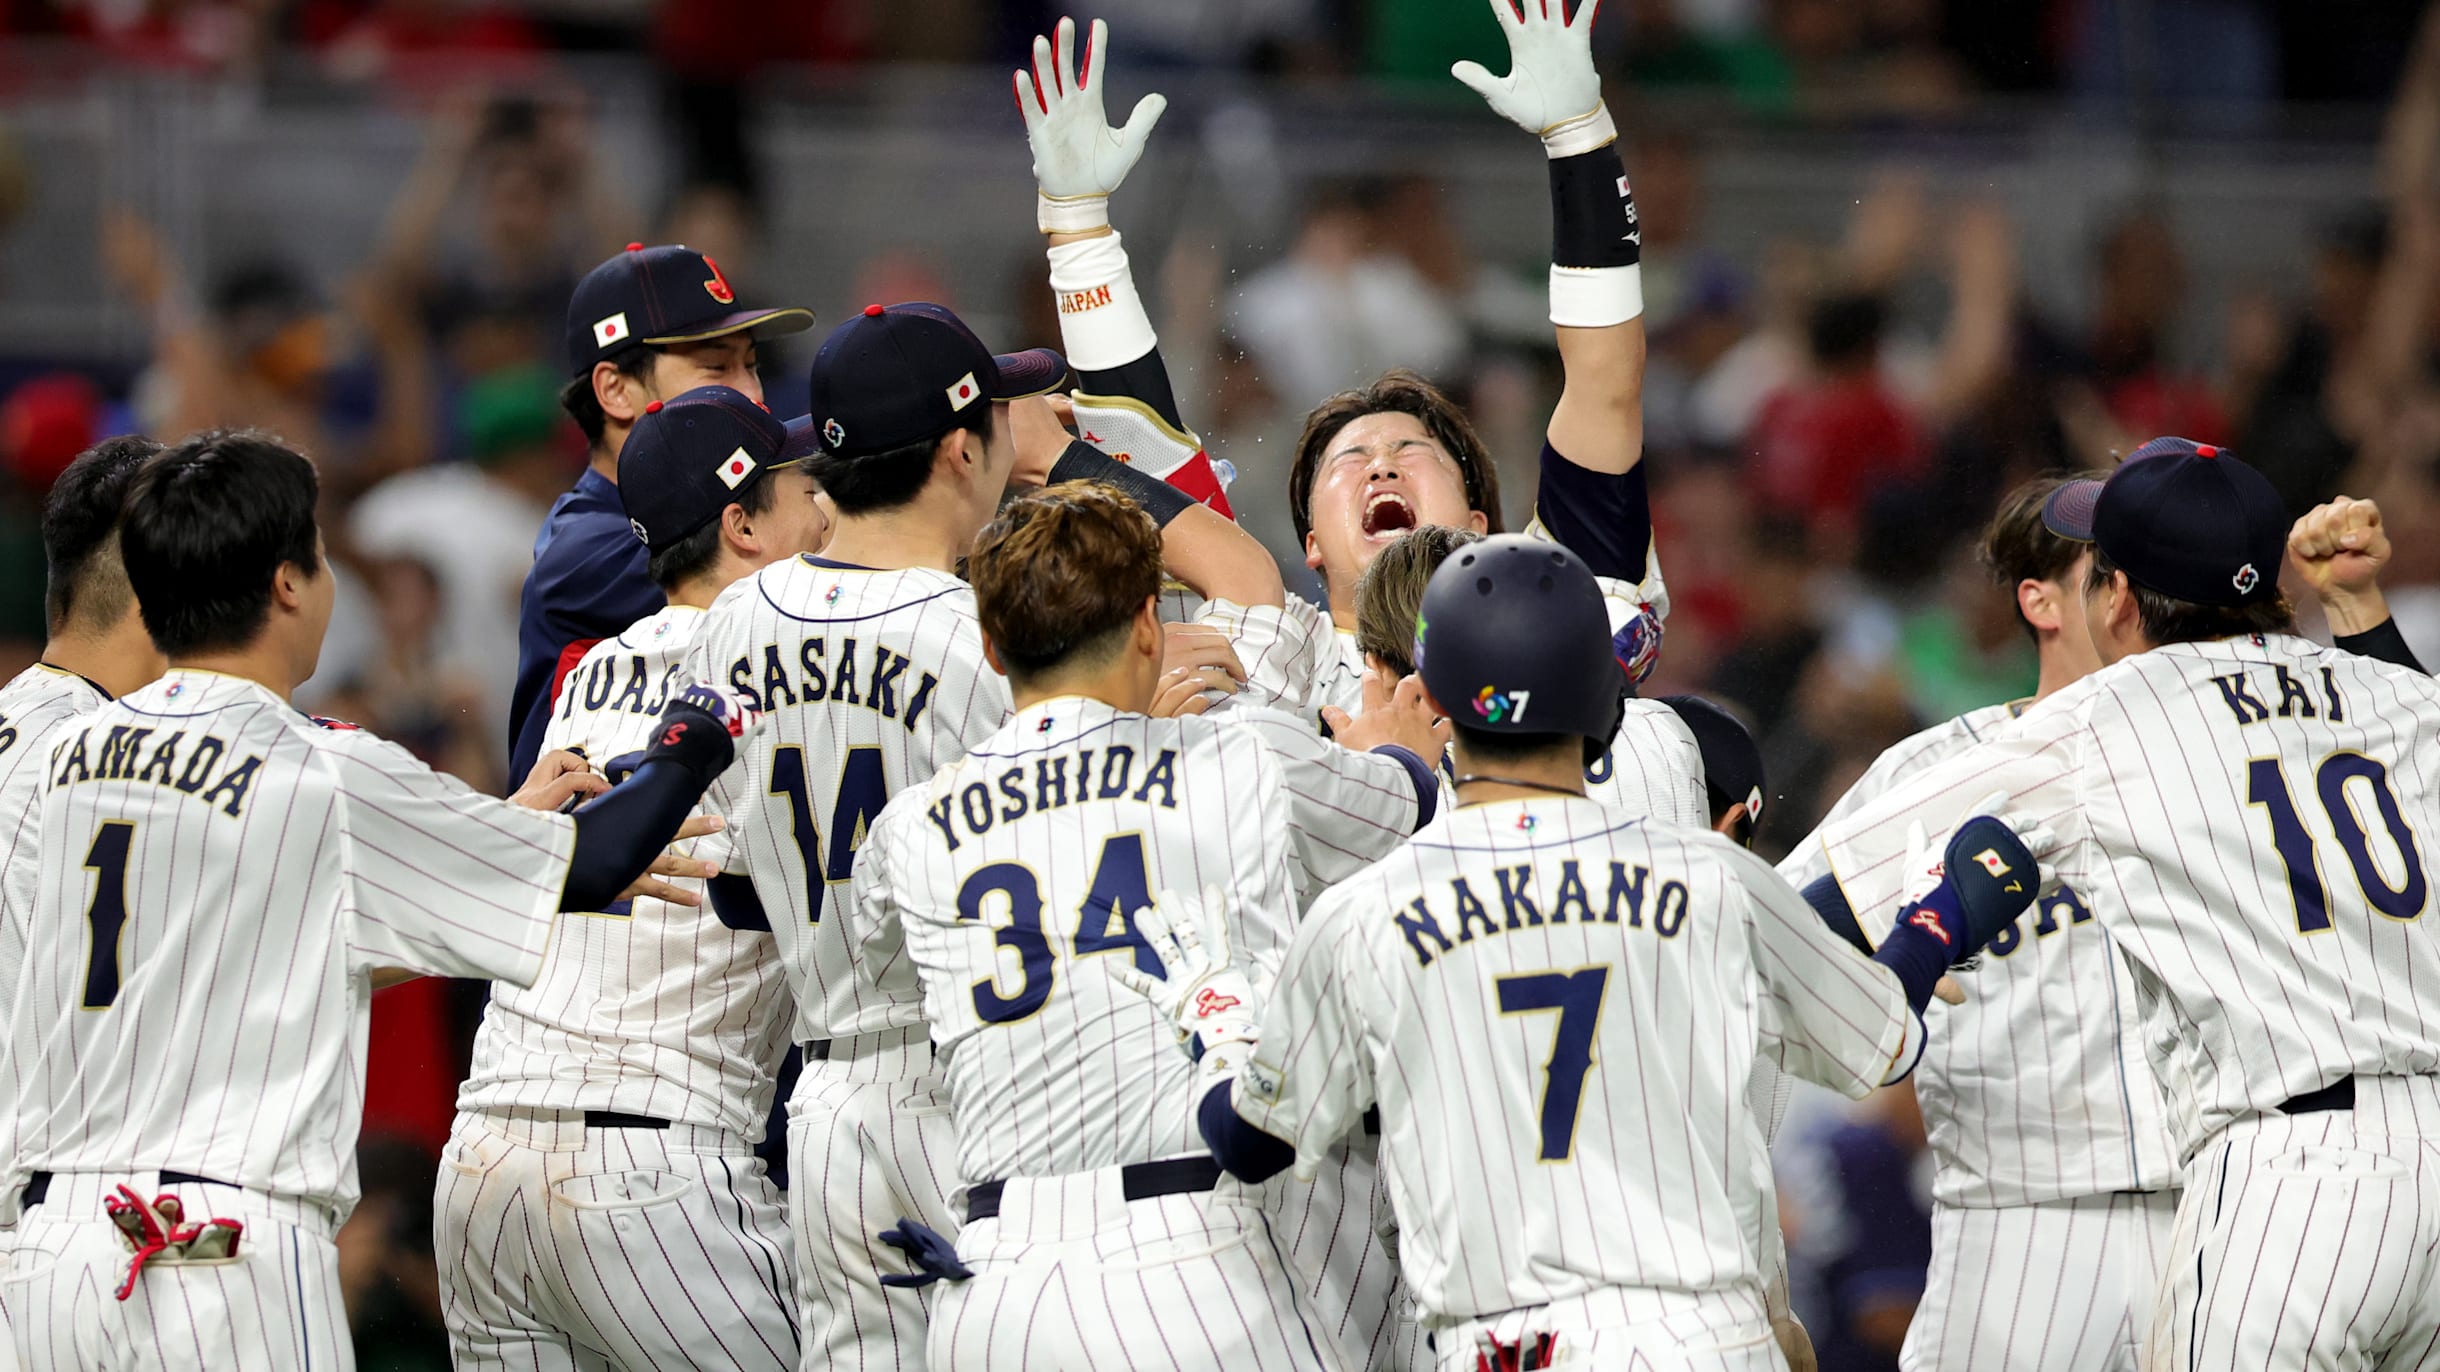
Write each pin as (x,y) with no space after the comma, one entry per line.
(1732,761)
(900,374)
(691,457)
(2185,519)
(666,294)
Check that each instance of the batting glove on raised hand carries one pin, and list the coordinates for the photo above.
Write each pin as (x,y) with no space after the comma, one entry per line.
(1207,1000)
(1551,89)
(1078,158)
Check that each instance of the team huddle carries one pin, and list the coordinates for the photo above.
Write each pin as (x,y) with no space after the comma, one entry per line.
(1186,975)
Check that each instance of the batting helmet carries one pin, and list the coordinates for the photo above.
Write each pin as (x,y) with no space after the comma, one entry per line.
(1512,638)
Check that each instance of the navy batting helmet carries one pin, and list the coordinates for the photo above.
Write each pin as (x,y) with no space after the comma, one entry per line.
(1513,639)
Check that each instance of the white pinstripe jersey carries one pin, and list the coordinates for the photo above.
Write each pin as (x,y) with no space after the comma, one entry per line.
(2037,1088)
(874,681)
(1016,873)
(2251,818)
(34,705)
(219,876)
(656,1009)
(1556,1011)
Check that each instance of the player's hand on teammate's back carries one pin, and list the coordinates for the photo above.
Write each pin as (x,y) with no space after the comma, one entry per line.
(1208,1001)
(674,864)
(1077,155)
(1399,714)
(1551,80)
(1985,877)
(561,780)
(1199,667)
(1182,692)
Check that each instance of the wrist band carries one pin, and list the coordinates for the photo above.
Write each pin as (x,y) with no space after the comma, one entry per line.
(1084,462)
(1595,297)
(1581,134)
(1592,212)
(1071,213)
(1102,323)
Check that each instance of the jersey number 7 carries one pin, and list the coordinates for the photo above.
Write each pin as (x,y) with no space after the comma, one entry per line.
(1577,996)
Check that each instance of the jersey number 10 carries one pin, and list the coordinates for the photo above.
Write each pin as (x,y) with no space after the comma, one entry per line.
(2266,785)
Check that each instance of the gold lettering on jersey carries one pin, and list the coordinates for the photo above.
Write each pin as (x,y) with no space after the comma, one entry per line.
(818,678)
(119,755)
(1007,796)
(1428,938)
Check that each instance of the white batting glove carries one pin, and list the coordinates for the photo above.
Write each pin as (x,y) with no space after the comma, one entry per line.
(1210,1003)
(1551,88)
(1078,158)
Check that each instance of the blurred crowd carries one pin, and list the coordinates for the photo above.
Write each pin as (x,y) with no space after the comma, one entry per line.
(1827,422)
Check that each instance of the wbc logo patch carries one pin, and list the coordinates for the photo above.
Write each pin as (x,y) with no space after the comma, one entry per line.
(964,392)
(610,330)
(2246,579)
(736,468)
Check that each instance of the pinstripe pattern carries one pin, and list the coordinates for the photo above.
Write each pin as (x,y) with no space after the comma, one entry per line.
(1659,1142)
(234,1046)
(2310,1241)
(2036,1089)
(867,1138)
(1329,1227)
(2063,1286)
(1068,1271)
(276,1306)
(1628,1331)
(560,1246)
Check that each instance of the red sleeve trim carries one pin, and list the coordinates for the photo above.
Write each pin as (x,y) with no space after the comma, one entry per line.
(568,658)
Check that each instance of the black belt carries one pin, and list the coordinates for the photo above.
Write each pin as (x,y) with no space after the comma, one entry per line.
(612,1119)
(38,1185)
(818,1051)
(2338,1095)
(1139,1181)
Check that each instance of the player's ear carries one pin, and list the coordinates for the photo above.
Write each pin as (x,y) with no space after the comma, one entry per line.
(2042,604)
(991,654)
(1147,637)
(737,530)
(1726,825)
(1477,521)
(1313,552)
(288,586)
(622,397)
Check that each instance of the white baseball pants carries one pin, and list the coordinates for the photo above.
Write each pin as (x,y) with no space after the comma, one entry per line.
(2064,1286)
(565,1248)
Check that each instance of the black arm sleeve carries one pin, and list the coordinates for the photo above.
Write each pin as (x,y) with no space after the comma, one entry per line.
(1243,1151)
(1604,518)
(1829,902)
(2382,642)
(1145,379)
(620,833)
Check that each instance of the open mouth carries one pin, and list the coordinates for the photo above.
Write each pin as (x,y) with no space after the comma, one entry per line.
(1388,515)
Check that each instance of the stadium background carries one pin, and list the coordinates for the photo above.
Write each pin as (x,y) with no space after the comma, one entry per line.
(1899,253)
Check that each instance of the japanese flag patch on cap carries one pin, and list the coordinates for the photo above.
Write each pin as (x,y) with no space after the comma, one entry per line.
(964,392)
(610,330)
(736,468)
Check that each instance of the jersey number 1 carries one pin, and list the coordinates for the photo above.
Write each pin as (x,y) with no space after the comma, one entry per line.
(1577,996)
(106,917)
(863,790)
(2266,786)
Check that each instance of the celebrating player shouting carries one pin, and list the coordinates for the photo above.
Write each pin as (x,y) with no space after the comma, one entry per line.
(222,880)
(1556,1010)
(1376,462)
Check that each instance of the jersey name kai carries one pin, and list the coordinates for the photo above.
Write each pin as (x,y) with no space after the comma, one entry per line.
(876,684)
(977,807)
(1421,922)
(128,753)
(2247,694)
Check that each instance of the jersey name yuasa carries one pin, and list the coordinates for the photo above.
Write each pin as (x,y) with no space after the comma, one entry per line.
(2253,820)
(1556,1010)
(2038,1088)
(648,1008)
(873,680)
(219,875)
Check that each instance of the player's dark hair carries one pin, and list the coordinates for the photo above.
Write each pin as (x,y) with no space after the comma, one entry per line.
(2166,619)
(80,527)
(208,524)
(1397,392)
(1485,748)
(2017,546)
(583,406)
(890,479)
(700,549)
(1060,575)
(1390,593)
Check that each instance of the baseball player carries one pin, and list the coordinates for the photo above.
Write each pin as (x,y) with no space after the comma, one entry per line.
(2045,1120)
(2240,812)
(869,659)
(97,651)
(1016,873)
(1397,455)
(643,326)
(600,1197)
(1555,1010)
(221,883)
